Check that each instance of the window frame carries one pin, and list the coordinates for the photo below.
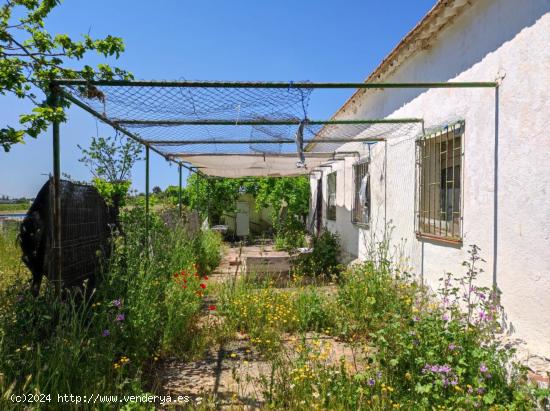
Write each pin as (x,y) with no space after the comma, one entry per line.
(329,214)
(363,166)
(436,139)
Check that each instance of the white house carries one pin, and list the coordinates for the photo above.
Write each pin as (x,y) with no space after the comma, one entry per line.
(480,174)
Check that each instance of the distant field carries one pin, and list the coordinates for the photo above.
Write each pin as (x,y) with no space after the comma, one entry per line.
(14,208)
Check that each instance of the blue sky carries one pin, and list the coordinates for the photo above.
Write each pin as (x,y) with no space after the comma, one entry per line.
(211,40)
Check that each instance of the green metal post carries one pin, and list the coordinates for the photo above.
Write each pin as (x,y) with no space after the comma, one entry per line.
(147,194)
(56,220)
(279,85)
(179,189)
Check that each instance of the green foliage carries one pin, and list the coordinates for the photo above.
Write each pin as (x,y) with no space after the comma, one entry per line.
(14,207)
(266,313)
(212,197)
(110,160)
(289,238)
(217,196)
(433,352)
(139,312)
(290,192)
(112,191)
(12,269)
(30,57)
(207,250)
(322,262)
(313,311)
(410,349)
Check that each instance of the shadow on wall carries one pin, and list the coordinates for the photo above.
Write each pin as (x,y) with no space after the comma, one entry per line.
(463,49)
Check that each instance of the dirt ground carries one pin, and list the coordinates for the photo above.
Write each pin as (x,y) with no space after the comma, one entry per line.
(230,374)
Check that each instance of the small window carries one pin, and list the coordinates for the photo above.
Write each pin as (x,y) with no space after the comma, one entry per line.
(360,213)
(331,196)
(439,186)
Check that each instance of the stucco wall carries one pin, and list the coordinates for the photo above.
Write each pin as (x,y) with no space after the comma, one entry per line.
(492,38)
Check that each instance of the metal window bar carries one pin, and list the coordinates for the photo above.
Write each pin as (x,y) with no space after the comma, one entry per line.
(361,211)
(439,185)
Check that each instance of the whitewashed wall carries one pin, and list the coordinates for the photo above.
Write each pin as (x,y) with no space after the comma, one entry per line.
(491,39)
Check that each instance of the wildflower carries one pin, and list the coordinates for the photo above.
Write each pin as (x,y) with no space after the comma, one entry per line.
(206,277)
(452,347)
(211,307)
(480,390)
(445,317)
(483,368)
(106,333)
(233,355)
(119,317)
(203,286)
(117,303)
(408,376)
(416,318)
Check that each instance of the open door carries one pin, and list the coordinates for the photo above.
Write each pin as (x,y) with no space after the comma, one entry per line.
(319,207)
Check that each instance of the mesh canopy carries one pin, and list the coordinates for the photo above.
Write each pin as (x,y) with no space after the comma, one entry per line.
(230,129)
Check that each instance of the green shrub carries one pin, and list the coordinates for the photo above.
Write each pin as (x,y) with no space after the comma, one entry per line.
(322,262)
(139,311)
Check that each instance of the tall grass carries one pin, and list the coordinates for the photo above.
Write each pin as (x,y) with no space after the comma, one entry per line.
(107,343)
(12,268)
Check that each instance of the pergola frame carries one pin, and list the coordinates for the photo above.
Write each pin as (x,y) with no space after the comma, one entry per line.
(57,93)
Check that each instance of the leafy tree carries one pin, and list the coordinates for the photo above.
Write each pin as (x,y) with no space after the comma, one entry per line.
(31,57)
(110,161)
(217,196)
(289,192)
(157,190)
(212,197)
(171,195)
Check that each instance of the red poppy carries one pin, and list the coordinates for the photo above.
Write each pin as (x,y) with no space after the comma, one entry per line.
(176,275)
(203,286)
(211,307)
(205,277)
(185,281)
(184,286)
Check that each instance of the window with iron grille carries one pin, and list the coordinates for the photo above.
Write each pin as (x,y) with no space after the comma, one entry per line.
(439,186)
(331,196)
(360,214)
